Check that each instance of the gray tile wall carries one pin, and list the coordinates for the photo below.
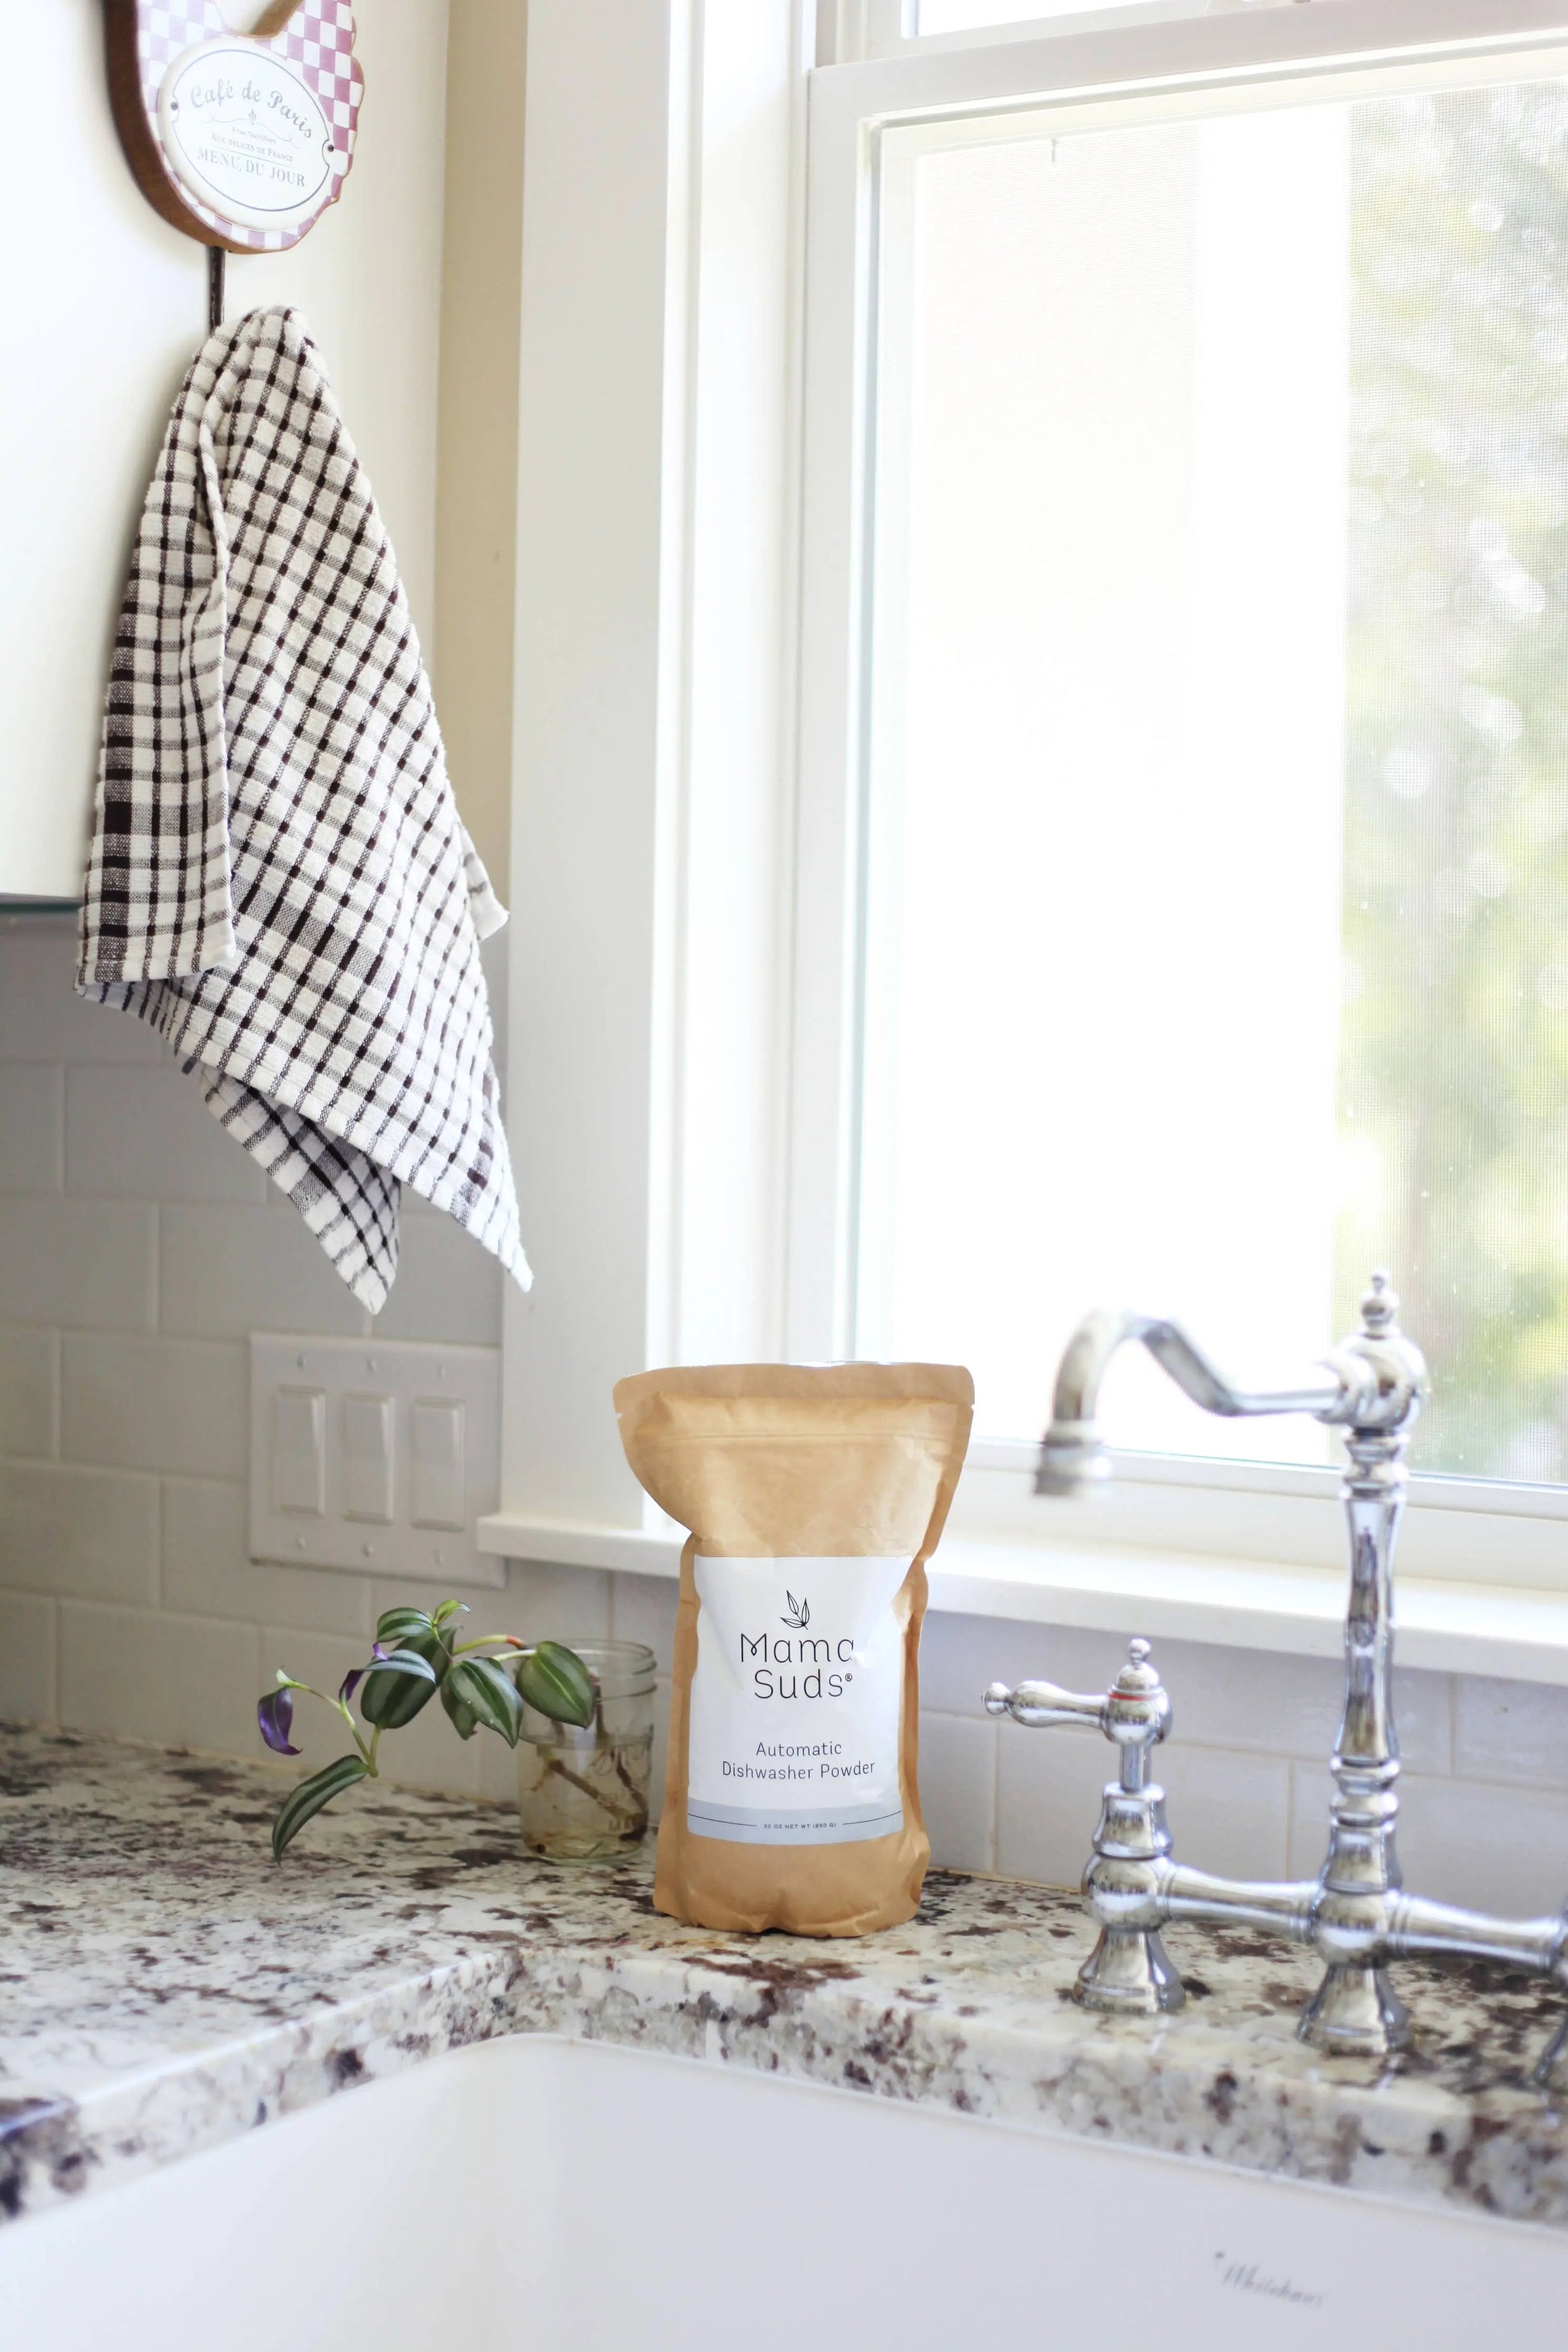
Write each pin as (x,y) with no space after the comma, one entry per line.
(137,1248)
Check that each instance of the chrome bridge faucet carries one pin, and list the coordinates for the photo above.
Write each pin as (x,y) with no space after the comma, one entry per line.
(1356,1914)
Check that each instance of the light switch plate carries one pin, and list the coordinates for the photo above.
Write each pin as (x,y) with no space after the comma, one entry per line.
(408,1433)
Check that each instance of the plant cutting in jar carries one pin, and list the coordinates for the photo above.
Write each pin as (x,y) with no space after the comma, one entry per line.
(483,1686)
(586,1789)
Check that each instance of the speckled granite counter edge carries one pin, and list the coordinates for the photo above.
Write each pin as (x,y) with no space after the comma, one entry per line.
(1099,2079)
(963,2010)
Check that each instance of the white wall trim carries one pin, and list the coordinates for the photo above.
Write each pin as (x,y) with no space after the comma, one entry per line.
(593,490)
(649,977)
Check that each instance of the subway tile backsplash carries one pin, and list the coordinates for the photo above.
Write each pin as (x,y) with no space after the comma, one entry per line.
(1510,1731)
(31,1094)
(138,1246)
(30,1391)
(88,1265)
(92,1534)
(129,1134)
(29,1682)
(149,1403)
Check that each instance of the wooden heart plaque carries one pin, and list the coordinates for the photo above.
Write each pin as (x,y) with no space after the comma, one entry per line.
(241,139)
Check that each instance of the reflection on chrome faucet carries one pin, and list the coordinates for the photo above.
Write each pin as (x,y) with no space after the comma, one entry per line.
(1356,1913)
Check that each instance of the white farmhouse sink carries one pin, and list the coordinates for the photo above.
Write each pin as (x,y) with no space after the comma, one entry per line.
(590,2199)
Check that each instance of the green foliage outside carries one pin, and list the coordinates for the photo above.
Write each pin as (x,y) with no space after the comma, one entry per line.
(1454,1081)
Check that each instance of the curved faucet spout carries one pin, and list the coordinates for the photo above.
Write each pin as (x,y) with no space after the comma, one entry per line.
(1073,1453)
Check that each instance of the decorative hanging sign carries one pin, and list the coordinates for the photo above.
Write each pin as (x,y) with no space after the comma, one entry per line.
(240,139)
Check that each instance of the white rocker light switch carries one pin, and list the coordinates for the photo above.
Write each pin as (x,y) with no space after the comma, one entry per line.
(300,1451)
(437,1467)
(367,1459)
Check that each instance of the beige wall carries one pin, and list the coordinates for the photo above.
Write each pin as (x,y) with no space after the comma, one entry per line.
(105,304)
(476,465)
(411,285)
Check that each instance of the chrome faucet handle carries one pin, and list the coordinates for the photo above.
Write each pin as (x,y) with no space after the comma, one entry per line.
(1135,1712)
(1045,1706)
(1127,1969)
(1137,1708)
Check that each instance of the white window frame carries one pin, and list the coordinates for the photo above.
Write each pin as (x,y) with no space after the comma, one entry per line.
(685,969)
(664,146)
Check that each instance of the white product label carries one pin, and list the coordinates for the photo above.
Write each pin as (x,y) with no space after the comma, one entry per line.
(795,1701)
(245,135)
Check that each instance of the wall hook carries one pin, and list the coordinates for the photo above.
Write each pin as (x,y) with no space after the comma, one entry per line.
(216,271)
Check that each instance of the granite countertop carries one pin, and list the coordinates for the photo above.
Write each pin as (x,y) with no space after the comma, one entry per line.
(165,1986)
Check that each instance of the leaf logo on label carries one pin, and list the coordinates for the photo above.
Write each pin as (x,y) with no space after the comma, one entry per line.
(799,1613)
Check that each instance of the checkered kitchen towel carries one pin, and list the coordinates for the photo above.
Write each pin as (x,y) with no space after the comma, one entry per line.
(280,882)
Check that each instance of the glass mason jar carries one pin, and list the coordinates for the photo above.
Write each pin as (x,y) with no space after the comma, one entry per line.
(585,1793)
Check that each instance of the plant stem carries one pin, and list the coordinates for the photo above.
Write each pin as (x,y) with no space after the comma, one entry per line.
(600,1797)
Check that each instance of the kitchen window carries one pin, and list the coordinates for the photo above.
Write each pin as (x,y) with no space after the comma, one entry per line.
(1204,572)
(1217,928)
(1068,802)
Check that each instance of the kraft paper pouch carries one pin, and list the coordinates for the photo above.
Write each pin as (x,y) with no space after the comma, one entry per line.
(814,1495)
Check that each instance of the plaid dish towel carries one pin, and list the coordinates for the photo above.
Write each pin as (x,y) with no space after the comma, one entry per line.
(280,882)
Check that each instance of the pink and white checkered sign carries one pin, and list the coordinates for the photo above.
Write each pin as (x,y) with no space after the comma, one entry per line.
(317,43)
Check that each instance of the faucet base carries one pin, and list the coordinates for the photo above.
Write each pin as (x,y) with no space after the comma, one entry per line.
(1355,2010)
(1129,1971)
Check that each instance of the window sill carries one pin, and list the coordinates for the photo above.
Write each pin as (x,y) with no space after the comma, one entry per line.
(1445,1626)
